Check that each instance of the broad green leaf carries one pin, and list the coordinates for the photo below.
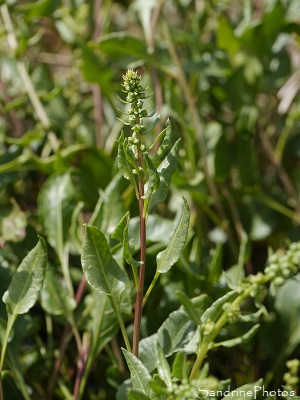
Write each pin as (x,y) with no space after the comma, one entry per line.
(175,332)
(140,376)
(216,309)
(147,348)
(173,335)
(239,340)
(168,257)
(165,170)
(27,281)
(153,177)
(91,65)
(287,304)
(120,43)
(159,387)
(226,37)
(99,267)
(163,367)
(56,201)
(55,300)
(40,8)
(250,391)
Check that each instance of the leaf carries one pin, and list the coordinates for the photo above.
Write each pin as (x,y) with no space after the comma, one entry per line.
(153,177)
(189,307)
(56,203)
(175,332)
(109,209)
(124,166)
(140,376)
(121,233)
(165,145)
(165,170)
(162,365)
(95,70)
(55,300)
(168,257)
(136,395)
(120,43)
(239,340)
(287,304)
(234,274)
(173,335)
(179,366)
(216,309)
(27,281)
(99,267)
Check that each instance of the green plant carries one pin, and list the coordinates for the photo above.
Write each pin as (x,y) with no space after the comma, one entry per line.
(151,179)
(226,74)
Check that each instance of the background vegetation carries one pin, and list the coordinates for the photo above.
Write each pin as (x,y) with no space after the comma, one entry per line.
(226,73)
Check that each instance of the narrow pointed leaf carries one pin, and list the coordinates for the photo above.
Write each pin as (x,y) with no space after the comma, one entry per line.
(123,164)
(153,177)
(179,366)
(165,145)
(140,376)
(163,367)
(99,267)
(27,281)
(119,231)
(189,307)
(239,340)
(154,124)
(216,309)
(57,200)
(121,234)
(168,257)
(165,170)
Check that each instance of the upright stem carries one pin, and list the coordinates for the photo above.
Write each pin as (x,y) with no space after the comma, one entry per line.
(140,289)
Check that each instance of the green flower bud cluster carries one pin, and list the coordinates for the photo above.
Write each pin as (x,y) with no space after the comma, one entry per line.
(187,390)
(233,312)
(208,327)
(291,378)
(281,267)
(135,93)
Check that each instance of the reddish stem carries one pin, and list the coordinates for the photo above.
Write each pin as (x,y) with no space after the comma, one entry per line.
(139,294)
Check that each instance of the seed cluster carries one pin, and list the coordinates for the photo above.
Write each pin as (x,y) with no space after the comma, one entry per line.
(135,93)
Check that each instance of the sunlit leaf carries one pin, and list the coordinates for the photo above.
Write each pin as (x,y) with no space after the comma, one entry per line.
(168,257)
(27,281)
